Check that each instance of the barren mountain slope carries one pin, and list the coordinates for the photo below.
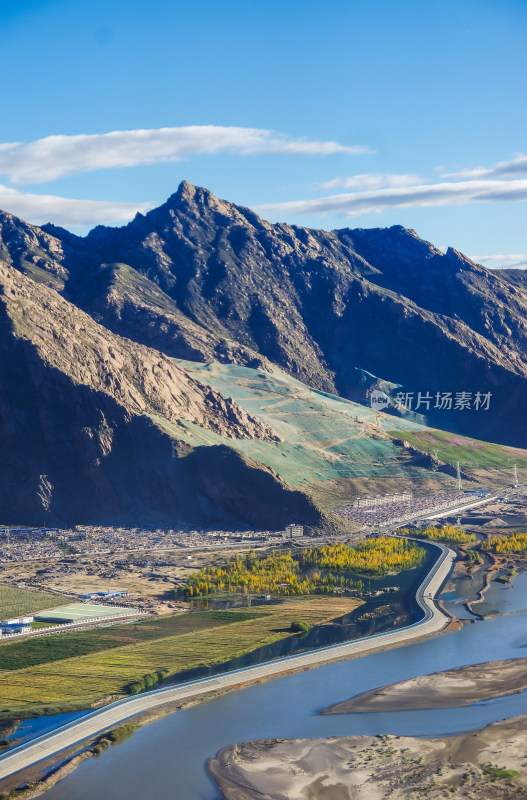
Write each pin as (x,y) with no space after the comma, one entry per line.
(140,379)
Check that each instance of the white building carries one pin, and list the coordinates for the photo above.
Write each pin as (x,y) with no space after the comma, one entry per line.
(293,530)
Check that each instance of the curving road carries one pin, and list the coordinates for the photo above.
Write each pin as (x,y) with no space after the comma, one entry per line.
(95,722)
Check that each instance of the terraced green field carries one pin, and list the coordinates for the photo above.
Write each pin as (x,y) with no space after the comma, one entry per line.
(324,437)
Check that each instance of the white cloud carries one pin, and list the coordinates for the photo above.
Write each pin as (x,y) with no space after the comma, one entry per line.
(57,156)
(505,169)
(372,181)
(40,208)
(503,260)
(355,204)
(373,192)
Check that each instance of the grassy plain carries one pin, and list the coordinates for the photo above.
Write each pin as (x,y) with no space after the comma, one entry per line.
(82,680)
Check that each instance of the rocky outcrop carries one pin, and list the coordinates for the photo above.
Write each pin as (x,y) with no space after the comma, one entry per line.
(32,251)
(141,380)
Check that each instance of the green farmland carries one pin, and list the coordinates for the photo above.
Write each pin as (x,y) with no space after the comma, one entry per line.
(55,681)
(15,602)
(47,649)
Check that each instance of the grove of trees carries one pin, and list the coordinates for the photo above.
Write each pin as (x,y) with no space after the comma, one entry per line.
(321,570)
(446,533)
(514,543)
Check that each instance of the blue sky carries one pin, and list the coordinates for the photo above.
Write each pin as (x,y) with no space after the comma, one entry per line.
(334,114)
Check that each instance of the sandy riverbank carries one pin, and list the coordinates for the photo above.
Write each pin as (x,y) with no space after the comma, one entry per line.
(378,767)
(462,686)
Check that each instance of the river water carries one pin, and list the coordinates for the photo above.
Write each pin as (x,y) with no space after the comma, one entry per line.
(167,759)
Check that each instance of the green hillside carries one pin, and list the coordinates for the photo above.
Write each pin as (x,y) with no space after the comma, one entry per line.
(334,448)
(323,437)
(471,453)
(328,446)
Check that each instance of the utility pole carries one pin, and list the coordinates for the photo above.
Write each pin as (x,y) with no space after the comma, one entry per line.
(458,477)
(515,471)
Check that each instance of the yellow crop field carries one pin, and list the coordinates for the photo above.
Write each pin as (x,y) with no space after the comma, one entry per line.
(80,681)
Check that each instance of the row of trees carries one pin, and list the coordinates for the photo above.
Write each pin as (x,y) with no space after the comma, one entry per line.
(148,681)
(446,533)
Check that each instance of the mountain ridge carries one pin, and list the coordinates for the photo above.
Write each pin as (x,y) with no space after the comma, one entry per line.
(324,305)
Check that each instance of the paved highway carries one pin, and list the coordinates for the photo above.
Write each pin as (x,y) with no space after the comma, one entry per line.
(95,722)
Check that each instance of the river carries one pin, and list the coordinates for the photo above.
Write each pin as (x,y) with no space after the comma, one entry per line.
(167,759)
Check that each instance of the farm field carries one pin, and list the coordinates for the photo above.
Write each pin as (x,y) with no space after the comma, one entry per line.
(14,602)
(47,649)
(78,682)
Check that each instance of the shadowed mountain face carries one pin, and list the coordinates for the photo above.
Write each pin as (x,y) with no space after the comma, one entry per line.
(204,280)
(518,277)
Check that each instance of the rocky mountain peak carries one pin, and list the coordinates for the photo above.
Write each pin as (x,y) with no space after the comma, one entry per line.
(186,192)
(89,326)
(196,201)
(188,195)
